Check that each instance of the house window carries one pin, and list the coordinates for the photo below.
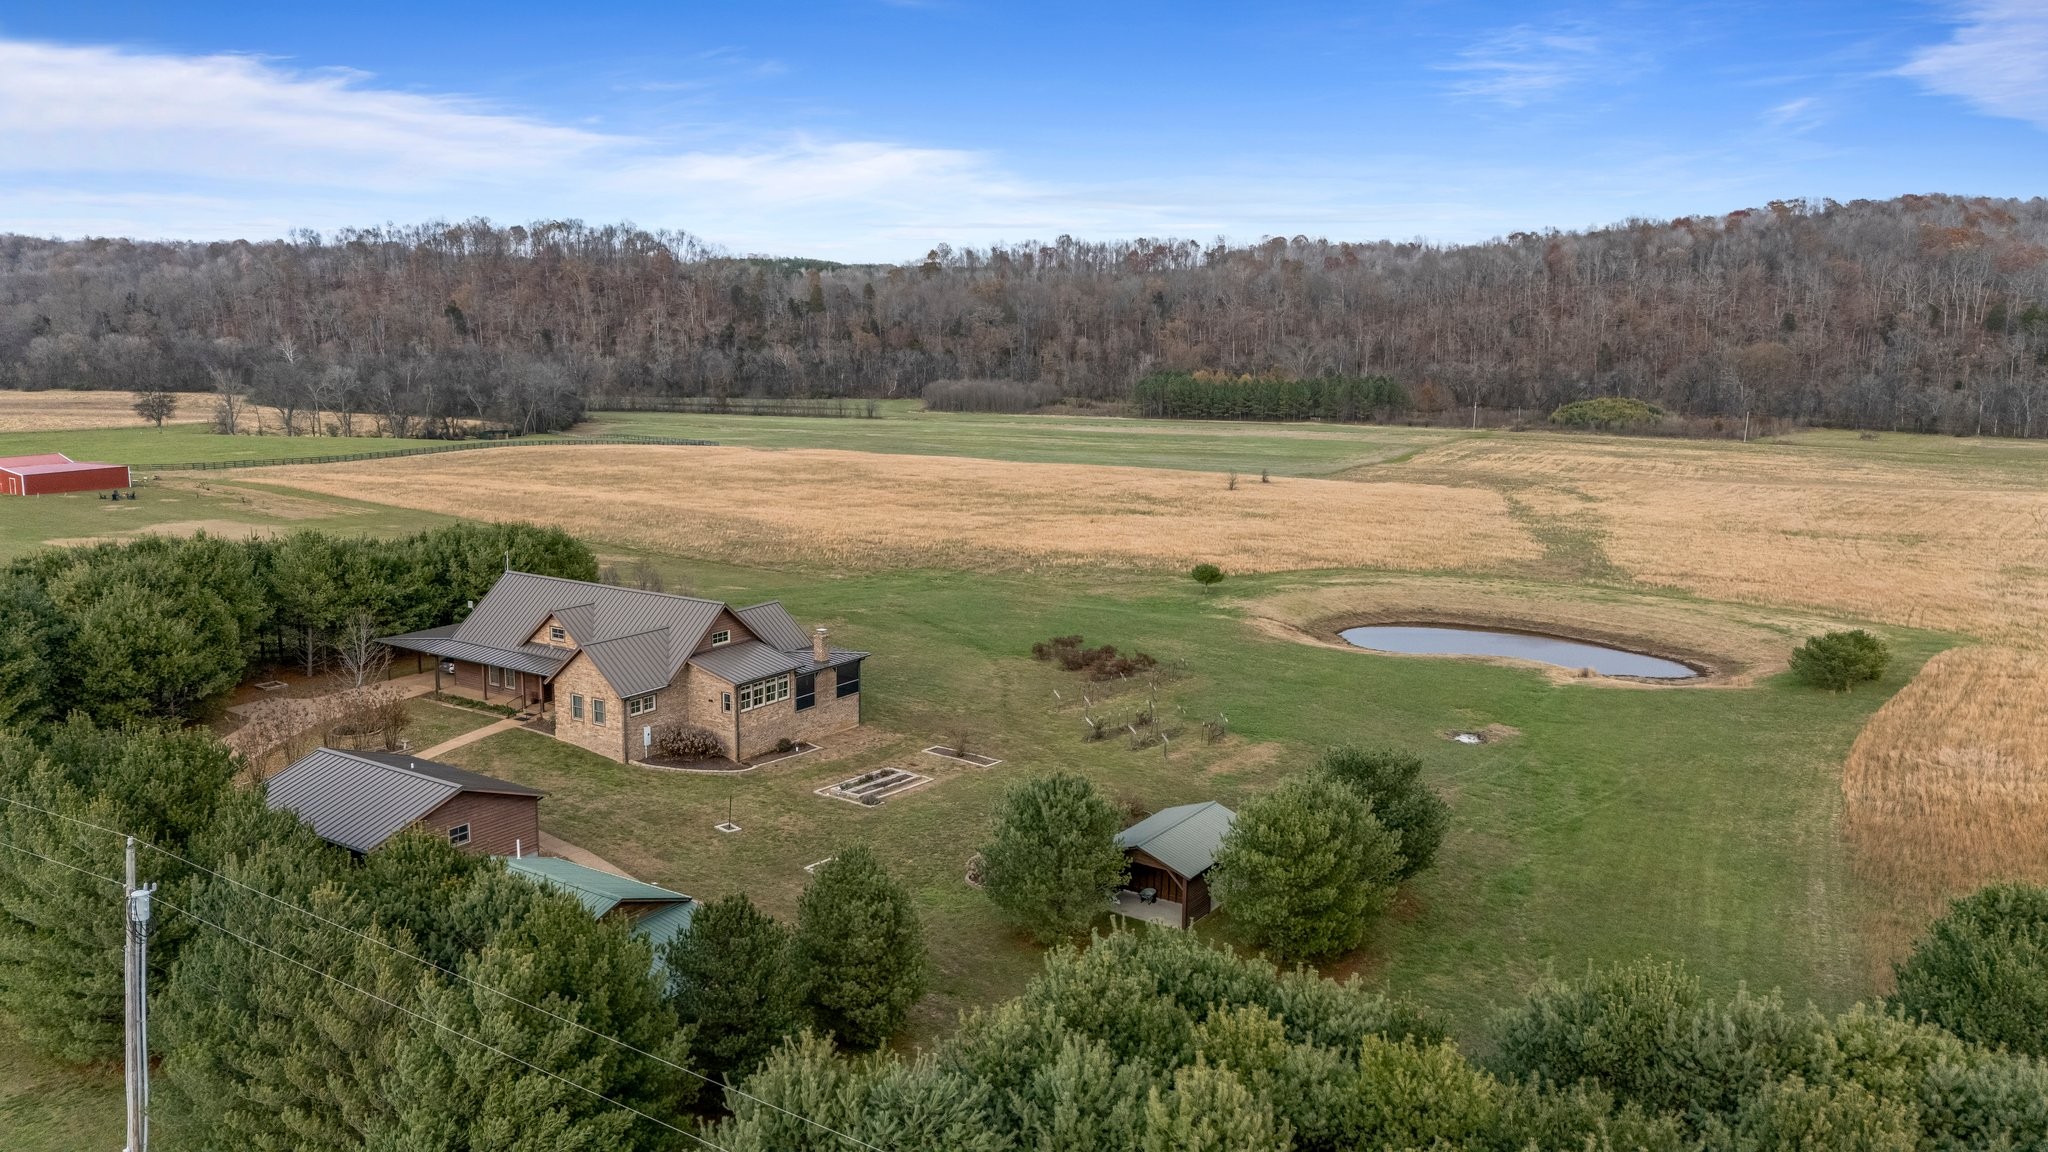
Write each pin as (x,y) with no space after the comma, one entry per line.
(575,707)
(459,835)
(726,700)
(806,690)
(762,692)
(493,670)
(849,678)
(557,633)
(511,679)
(640,705)
(722,636)
(597,710)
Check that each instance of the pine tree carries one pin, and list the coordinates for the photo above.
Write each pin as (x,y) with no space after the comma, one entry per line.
(1401,802)
(1052,860)
(859,950)
(729,979)
(1305,866)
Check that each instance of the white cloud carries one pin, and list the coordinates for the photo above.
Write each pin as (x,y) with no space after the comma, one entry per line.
(1997,60)
(1524,64)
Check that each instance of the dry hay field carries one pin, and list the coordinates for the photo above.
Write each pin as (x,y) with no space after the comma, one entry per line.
(1947,788)
(63,411)
(857,509)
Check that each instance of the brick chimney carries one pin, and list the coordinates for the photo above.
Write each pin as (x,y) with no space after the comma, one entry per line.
(820,651)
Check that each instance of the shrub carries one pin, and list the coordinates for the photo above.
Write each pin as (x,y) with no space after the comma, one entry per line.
(1839,661)
(1101,663)
(1607,412)
(1052,858)
(1211,396)
(686,741)
(1982,971)
(1392,782)
(1305,866)
(989,395)
(859,950)
(1207,575)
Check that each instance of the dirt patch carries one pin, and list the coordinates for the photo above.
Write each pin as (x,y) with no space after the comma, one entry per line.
(1731,644)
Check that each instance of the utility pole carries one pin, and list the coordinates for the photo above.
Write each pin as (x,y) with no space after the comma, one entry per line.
(135,957)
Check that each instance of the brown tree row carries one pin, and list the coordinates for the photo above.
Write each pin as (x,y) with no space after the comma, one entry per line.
(1925,312)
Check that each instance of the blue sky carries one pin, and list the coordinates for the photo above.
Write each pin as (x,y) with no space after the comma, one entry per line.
(872,131)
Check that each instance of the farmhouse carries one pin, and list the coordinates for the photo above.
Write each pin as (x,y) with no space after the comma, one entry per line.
(1168,855)
(611,664)
(54,472)
(361,799)
(655,914)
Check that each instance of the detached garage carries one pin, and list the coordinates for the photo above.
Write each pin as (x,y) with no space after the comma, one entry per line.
(54,472)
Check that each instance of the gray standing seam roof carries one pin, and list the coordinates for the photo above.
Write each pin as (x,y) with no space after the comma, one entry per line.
(361,799)
(1184,838)
(638,640)
(774,625)
(748,661)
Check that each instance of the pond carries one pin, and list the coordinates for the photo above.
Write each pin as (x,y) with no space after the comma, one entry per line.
(1438,640)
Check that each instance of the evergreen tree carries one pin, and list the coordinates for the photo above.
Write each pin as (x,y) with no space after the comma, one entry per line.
(729,980)
(33,637)
(449,1093)
(1052,860)
(1982,970)
(1304,867)
(60,928)
(859,950)
(1403,804)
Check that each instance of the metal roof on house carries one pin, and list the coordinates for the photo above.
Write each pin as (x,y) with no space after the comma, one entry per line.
(1184,838)
(747,661)
(361,799)
(638,640)
(663,914)
(773,624)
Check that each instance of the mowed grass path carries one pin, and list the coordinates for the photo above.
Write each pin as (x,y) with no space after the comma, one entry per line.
(1697,824)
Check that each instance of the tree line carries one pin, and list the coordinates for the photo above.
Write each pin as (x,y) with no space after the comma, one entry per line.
(1924,313)
(162,628)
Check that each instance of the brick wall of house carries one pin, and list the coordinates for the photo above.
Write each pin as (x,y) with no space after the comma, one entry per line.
(496,823)
(761,728)
(581,677)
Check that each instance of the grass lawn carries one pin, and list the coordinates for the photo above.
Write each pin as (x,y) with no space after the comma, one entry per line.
(1211,446)
(433,722)
(49,1107)
(183,503)
(1690,823)
(145,448)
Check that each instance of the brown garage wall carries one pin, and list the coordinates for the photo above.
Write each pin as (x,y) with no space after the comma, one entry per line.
(496,822)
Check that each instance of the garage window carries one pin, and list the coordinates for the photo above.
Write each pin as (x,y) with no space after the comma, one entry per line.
(459,835)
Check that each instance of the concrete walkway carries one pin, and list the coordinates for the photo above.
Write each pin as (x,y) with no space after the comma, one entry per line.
(470,737)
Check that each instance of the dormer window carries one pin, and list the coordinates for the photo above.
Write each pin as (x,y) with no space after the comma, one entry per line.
(557,633)
(720,637)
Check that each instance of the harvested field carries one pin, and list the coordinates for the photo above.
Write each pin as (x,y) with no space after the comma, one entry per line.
(57,411)
(1947,786)
(865,510)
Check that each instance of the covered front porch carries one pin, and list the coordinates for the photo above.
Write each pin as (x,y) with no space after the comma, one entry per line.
(1158,910)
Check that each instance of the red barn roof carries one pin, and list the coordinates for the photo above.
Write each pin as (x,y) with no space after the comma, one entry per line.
(17,463)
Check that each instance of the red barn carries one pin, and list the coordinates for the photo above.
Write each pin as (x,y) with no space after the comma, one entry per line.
(55,472)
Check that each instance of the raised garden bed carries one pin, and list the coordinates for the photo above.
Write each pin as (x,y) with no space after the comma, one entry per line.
(974,758)
(870,788)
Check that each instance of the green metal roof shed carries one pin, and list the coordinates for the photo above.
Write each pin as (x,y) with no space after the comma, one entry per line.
(657,914)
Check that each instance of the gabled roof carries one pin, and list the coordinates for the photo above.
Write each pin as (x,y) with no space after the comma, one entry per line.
(638,640)
(361,799)
(1184,838)
(12,463)
(662,914)
(774,625)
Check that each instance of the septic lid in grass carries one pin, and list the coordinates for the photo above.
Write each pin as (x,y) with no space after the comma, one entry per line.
(1468,738)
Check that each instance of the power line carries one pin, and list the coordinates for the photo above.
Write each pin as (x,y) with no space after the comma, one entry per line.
(396,950)
(484,1044)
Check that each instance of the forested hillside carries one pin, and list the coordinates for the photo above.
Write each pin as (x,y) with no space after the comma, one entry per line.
(1926,312)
